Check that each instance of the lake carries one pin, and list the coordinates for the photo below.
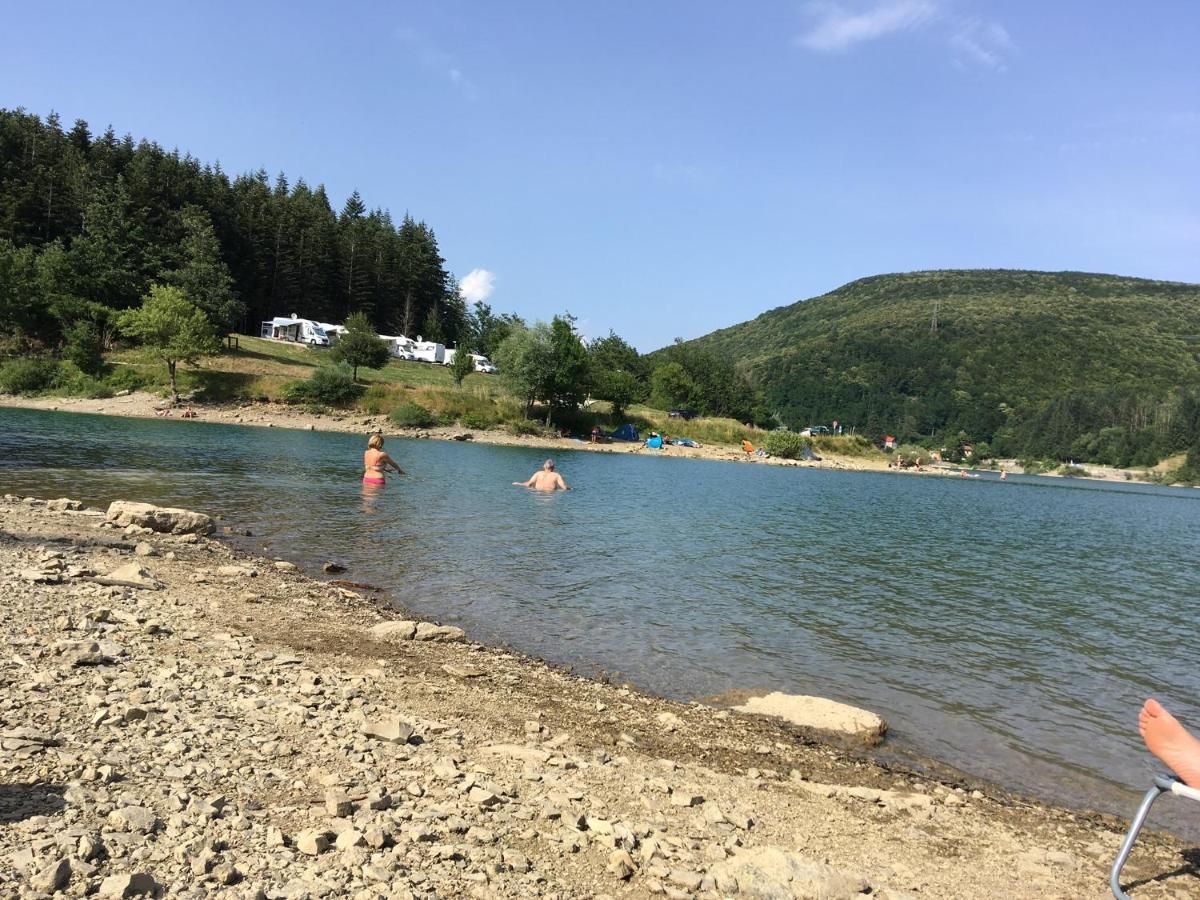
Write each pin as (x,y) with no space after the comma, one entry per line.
(1009,629)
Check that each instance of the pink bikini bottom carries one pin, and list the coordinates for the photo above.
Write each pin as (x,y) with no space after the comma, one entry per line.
(374,481)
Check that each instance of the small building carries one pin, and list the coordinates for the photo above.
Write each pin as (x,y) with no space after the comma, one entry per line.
(889,442)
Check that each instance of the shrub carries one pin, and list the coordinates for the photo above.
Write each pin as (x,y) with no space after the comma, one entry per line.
(524,427)
(74,383)
(28,375)
(330,385)
(84,347)
(785,444)
(411,415)
(127,378)
(479,420)
(850,445)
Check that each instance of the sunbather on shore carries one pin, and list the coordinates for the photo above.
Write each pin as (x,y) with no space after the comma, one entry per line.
(1170,742)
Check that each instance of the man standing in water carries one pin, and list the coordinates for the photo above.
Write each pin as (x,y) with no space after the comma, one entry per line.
(545,480)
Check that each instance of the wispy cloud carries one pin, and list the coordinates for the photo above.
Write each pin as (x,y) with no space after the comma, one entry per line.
(437,60)
(838,28)
(973,42)
(985,44)
(477,285)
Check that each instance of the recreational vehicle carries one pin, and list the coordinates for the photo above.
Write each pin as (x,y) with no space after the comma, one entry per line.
(428,351)
(295,330)
(399,346)
(483,364)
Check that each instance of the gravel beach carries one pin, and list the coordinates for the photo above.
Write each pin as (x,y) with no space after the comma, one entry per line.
(180,719)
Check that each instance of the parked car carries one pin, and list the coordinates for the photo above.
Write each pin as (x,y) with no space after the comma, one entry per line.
(814,431)
(681,414)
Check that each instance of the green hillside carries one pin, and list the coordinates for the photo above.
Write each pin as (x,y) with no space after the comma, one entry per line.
(1051,364)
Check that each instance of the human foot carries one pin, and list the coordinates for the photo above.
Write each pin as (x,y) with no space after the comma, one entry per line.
(1170,742)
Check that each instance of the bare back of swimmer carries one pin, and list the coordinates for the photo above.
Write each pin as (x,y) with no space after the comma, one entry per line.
(546,479)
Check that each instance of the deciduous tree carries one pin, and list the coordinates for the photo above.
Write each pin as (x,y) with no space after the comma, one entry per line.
(170,328)
(360,346)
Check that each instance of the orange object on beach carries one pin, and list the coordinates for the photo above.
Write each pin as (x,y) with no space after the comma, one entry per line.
(747,446)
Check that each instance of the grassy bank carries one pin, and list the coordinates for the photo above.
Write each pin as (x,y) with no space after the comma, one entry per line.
(411,393)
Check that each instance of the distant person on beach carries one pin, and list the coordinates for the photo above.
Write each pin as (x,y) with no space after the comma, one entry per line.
(376,462)
(595,434)
(1170,742)
(545,480)
(189,413)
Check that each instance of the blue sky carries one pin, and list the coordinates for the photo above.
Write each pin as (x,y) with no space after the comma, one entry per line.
(668,168)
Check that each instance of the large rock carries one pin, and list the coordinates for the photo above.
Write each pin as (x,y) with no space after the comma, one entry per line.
(428,631)
(394,631)
(773,873)
(819,714)
(135,885)
(159,518)
(133,575)
(391,728)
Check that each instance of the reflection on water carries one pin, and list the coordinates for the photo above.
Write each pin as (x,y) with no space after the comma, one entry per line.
(1011,629)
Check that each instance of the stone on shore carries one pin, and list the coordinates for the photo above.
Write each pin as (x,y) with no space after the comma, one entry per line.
(819,714)
(134,885)
(394,631)
(773,872)
(427,631)
(394,730)
(159,518)
(134,574)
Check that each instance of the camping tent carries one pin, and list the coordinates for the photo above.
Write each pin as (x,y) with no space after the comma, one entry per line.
(625,433)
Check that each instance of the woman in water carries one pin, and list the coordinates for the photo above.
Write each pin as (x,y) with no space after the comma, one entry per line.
(376,462)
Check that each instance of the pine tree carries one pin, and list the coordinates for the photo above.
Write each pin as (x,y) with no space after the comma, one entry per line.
(202,274)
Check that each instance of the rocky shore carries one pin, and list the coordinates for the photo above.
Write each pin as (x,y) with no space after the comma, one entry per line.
(179,719)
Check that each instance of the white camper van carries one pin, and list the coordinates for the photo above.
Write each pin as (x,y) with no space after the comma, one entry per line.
(483,364)
(428,351)
(399,346)
(295,330)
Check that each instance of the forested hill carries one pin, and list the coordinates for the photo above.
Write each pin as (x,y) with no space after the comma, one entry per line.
(1050,364)
(88,221)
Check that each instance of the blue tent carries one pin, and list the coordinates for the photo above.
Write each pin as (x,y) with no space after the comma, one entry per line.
(654,442)
(625,433)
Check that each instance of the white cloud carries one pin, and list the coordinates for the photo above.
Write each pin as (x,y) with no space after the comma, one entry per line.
(985,44)
(435,59)
(838,28)
(477,285)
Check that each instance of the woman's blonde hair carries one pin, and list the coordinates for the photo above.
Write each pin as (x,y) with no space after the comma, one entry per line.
(375,442)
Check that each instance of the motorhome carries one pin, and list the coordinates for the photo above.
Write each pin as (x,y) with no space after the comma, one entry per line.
(399,346)
(428,351)
(333,332)
(483,364)
(295,330)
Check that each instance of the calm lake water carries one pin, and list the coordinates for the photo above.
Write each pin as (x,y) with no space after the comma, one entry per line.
(1010,629)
